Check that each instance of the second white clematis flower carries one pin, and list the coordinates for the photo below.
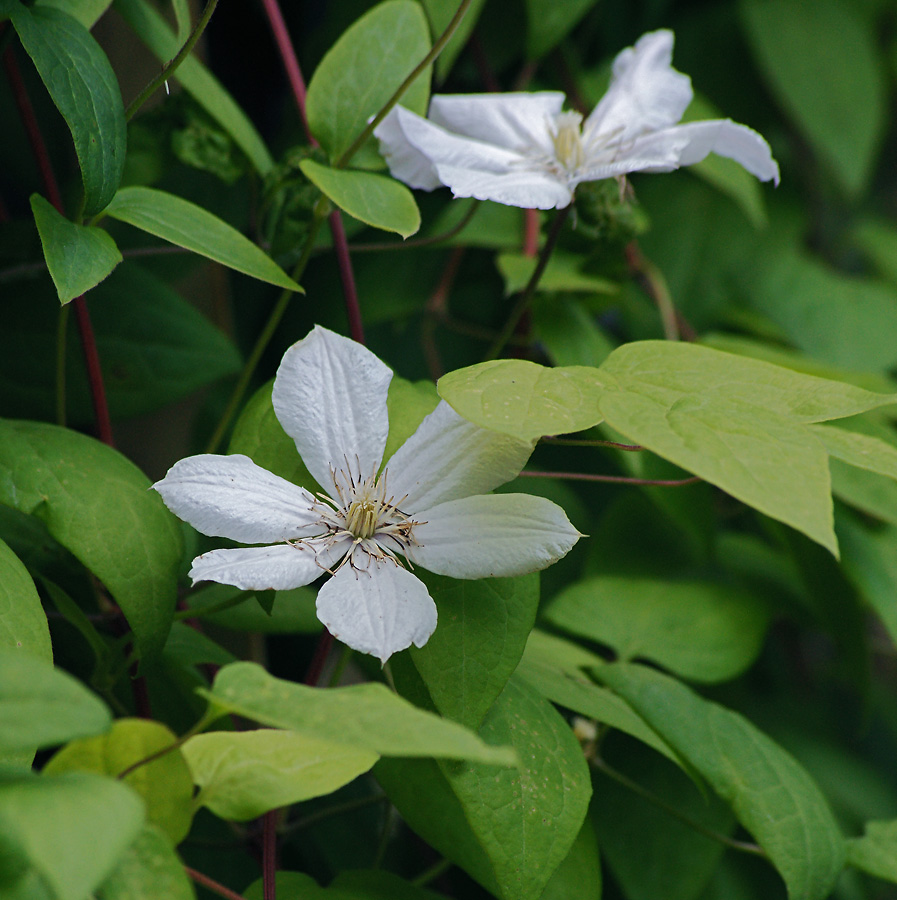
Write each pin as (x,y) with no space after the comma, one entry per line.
(523,150)
(426,507)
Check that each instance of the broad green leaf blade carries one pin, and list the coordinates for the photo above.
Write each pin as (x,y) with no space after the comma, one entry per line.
(79,257)
(85,11)
(72,829)
(440,14)
(373,199)
(509,829)
(483,627)
(698,630)
(876,851)
(149,868)
(244,774)
(362,70)
(523,399)
(842,113)
(23,623)
(41,706)
(96,503)
(84,88)
(197,81)
(408,404)
(547,23)
(770,793)
(190,226)
(562,274)
(578,877)
(164,784)
(861,450)
(364,716)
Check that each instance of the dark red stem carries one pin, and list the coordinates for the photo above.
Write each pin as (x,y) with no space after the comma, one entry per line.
(269,855)
(347,276)
(213,885)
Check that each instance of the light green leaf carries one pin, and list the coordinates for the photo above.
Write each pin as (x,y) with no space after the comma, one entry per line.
(164,783)
(244,774)
(440,14)
(364,717)
(547,23)
(861,450)
(85,11)
(95,502)
(523,399)
(197,81)
(84,88)
(23,623)
(408,403)
(362,70)
(509,829)
(194,228)
(842,113)
(41,706)
(148,869)
(70,830)
(699,630)
(876,851)
(78,256)
(373,199)
(770,793)
(562,274)
(483,627)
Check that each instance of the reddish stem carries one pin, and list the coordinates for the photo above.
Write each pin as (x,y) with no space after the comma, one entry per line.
(213,885)
(531,232)
(322,651)
(269,855)
(347,276)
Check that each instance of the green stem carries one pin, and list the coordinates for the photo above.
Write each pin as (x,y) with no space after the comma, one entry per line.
(526,297)
(277,313)
(169,70)
(201,725)
(431,874)
(587,442)
(435,50)
(413,243)
(337,810)
(340,667)
(614,479)
(210,610)
(645,794)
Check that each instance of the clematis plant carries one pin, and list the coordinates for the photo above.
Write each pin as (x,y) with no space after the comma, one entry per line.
(522,149)
(426,507)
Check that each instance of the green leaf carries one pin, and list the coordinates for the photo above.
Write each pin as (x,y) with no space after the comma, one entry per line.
(876,239)
(569,333)
(440,14)
(842,113)
(523,399)
(699,630)
(149,868)
(861,450)
(78,256)
(70,830)
(362,70)
(164,783)
(562,274)
(408,404)
(377,884)
(194,228)
(197,81)
(548,23)
(242,775)
(509,829)
(876,851)
(84,88)
(292,612)
(23,623)
(363,717)
(96,504)
(483,627)
(85,11)
(373,199)
(769,792)
(41,706)
(578,877)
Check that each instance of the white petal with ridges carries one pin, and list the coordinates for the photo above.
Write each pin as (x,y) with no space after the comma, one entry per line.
(378,610)
(448,458)
(406,162)
(330,397)
(232,497)
(492,536)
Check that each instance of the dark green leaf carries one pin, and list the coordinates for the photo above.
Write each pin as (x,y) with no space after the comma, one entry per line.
(547,23)
(440,14)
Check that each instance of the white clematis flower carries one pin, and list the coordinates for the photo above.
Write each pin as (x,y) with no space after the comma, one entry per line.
(426,507)
(523,150)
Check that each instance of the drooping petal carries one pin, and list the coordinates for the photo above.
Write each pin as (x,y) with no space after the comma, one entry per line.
(378,610)
(281,567)
(724,137)
(492,536)
(407,163)
(448,458)
(232,497)
(528,188)
(646,93)
(516,121)
(330,397)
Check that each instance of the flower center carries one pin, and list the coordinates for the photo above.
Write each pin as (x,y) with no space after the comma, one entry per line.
(362,517)
(568,141)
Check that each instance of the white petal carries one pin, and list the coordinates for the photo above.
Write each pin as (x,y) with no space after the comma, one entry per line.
(721,136)
(490,536)
(448,458)
(379,610)
(330,397)
(528,188)
(281,567)
(406,162)
(646,92)
(515,121)
(232,497)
